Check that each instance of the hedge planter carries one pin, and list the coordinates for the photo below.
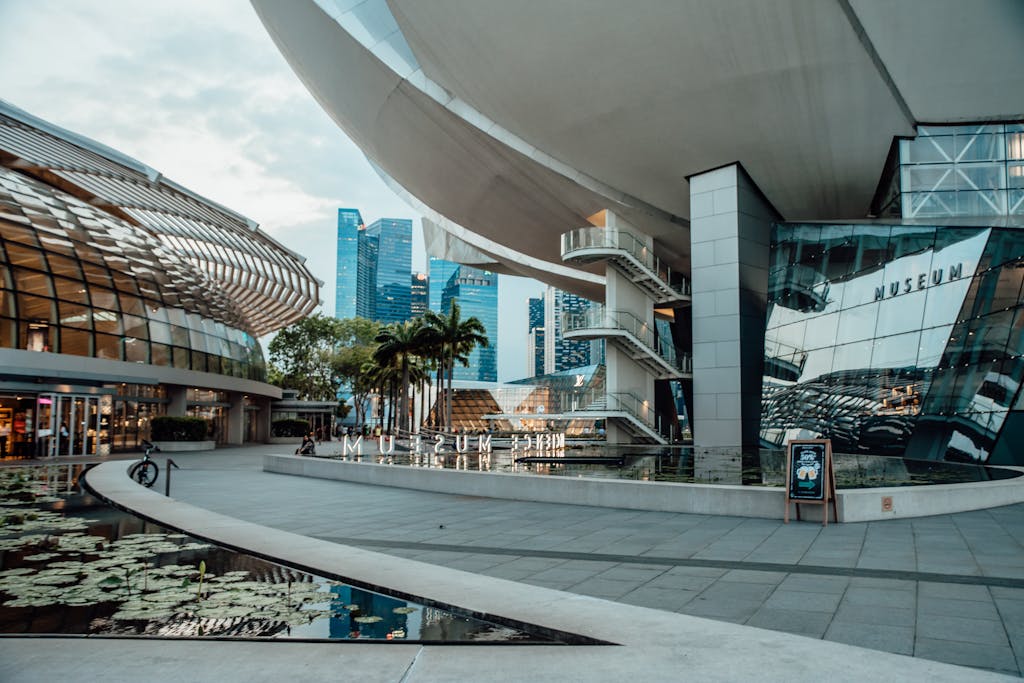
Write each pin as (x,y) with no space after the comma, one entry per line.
(278,440)
(180,446)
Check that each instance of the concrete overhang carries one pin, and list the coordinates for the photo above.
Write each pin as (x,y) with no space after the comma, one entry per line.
(469,176)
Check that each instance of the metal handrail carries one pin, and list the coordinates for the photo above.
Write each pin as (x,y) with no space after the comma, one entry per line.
(631,403)
(624,241)
(598,317)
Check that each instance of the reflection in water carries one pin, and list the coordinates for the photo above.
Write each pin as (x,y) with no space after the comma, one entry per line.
(677,464)
(71,564)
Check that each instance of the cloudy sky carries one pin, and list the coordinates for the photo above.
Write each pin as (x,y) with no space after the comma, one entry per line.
(197,90)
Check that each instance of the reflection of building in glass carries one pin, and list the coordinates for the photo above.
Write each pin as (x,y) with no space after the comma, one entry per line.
(439,272)
(914,350)
(124,296)
(476,292)
(391,240)
(349,223)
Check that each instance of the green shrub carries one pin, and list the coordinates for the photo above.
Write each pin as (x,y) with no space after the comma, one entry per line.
(289,427)
(167,428)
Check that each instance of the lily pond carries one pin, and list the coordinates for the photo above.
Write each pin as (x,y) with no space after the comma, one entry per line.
(70,564)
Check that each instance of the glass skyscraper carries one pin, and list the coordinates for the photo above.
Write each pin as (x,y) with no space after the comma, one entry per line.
(440,271)
(477,294)
(349,223)
(561,353)
(391,284)
(535,348)
(418,302)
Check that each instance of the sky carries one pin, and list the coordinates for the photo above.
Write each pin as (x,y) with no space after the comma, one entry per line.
(197,90)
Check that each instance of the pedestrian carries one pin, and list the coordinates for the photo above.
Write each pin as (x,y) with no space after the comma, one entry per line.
(308,446)
(319,435)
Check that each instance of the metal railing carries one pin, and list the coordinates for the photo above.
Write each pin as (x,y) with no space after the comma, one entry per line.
(627,243)
(598,317)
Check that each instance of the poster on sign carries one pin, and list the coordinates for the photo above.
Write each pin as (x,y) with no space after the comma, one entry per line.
(809,476)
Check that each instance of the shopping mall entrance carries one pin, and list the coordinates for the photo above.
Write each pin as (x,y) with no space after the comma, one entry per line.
(54,424)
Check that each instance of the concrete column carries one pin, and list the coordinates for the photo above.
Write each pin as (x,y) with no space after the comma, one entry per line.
(236,419)
(730,231)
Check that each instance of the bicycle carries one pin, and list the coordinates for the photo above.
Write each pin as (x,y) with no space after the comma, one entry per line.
(145,471)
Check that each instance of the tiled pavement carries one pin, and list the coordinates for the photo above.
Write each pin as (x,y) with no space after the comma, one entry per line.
(948,588)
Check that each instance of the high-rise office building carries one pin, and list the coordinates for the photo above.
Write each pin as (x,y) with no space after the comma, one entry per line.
(418,294)
(535,342)
(561,353)
(366,276)
(349,223)
(476,292)
(383,265)
(393,237)
(440,271)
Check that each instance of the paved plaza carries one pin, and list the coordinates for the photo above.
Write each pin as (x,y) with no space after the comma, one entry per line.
(945,588)
(948,588)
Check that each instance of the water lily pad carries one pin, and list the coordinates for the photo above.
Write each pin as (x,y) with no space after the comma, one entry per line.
(368,620)
(404,610)
(40,557)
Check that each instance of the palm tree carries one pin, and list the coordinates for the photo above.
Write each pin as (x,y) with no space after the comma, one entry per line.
(456,339)
(383,378)
(401,346)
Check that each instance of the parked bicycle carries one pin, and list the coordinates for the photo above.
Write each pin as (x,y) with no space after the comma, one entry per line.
(145,471)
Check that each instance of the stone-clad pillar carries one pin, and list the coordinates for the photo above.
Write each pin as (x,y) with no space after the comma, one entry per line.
(730,232)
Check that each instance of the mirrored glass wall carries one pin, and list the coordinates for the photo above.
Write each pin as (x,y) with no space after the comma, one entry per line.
(894,339)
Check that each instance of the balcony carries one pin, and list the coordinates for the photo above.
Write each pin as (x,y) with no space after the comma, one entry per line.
(631,257)
(632,335)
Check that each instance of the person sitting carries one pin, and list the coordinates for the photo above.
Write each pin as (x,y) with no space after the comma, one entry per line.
(308,446)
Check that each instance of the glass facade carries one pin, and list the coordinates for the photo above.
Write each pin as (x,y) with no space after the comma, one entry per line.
(73,280)
(536,336)
(895,339)
(967,170)
(349,223)
(561,353)
(418,295)
(384,271)
(440,271)
(477,293)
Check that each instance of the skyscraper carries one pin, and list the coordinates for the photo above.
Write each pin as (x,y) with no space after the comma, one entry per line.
(366,277)
(477,294)
(440,271)
(560,353)
(418,294)
(382,262)
(535,343)
(349,223)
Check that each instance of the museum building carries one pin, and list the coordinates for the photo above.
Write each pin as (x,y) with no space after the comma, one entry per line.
(807,214)
(124,296)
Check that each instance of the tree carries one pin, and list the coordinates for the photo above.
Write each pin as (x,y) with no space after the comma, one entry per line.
(401,346)
(303,353)
(356,350)
(456,339)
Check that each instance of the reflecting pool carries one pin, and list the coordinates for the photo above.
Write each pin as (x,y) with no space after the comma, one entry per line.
(676,464)
(70,564)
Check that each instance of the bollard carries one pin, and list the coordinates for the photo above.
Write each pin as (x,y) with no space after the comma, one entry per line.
(167,481)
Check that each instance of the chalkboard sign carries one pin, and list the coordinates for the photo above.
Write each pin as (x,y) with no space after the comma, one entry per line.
(809,476)
(807,470)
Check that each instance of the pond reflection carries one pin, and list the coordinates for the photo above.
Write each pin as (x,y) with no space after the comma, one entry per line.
(71,564)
